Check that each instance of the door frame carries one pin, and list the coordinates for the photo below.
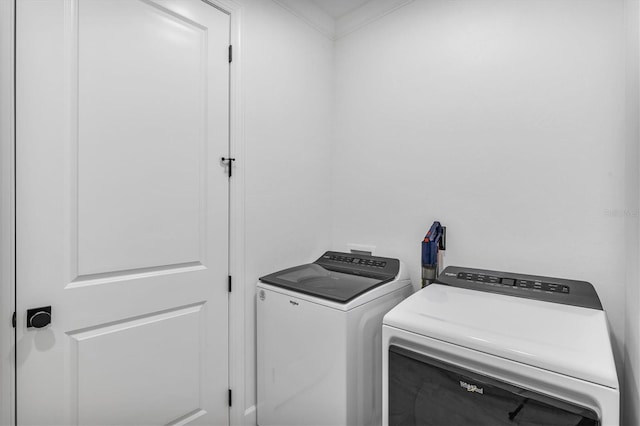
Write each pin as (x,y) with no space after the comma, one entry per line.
(7,210)
(8,220)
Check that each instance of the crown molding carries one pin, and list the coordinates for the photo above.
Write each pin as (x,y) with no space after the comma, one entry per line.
(308,12)
(333,29)
(365,15)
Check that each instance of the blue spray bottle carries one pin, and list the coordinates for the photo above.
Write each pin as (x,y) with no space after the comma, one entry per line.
(432,243)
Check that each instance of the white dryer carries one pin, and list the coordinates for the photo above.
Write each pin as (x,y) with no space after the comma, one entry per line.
(494,348)
(319,330)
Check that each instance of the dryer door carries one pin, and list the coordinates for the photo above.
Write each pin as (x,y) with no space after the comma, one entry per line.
(424,391)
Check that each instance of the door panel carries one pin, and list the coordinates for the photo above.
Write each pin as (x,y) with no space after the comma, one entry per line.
(168,338)
(122,211)
(140,116)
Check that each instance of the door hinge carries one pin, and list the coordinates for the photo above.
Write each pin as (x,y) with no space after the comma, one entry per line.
(230,53)
(13,320)
(230,401)
(229,283)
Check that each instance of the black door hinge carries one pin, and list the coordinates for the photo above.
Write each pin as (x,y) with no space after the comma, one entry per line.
(230,53)
(13,320)
(229,283)
(230,401)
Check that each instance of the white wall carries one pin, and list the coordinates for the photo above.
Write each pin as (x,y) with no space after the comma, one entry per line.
(502,119)
(288,71)
(631,385)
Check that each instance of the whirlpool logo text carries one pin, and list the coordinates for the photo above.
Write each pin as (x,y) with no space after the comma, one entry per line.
(471,388)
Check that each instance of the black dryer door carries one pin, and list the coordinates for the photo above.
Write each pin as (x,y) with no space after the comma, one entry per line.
(427,392)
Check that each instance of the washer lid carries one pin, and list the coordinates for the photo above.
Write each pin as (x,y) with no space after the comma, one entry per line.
(336,276)
(569,340)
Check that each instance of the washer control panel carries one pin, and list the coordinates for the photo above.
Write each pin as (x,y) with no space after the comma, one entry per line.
(360,264)
(349,259)
(548,289)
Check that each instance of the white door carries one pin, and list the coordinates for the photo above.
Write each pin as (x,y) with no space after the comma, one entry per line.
(122,212)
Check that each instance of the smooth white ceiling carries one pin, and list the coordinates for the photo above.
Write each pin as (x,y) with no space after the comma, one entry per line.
(338,8)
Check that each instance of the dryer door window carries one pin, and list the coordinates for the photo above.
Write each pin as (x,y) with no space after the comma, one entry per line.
(424,391)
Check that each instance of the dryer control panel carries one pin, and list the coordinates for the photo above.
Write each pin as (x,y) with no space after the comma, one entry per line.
(548,289)
(540,285)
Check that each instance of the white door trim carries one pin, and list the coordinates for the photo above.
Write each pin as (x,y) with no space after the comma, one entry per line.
(7,219)
(7,222)
(237,327)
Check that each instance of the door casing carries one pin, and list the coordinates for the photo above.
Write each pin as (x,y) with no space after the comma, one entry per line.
(7,209)
(8,219)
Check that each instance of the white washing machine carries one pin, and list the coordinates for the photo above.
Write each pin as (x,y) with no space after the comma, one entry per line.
(494,348)
(319,332)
